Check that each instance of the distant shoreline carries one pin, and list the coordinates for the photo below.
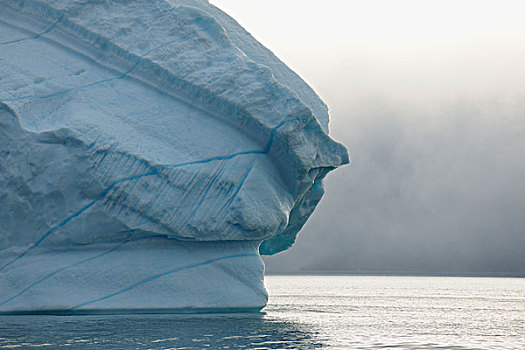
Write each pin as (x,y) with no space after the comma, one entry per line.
(400,274)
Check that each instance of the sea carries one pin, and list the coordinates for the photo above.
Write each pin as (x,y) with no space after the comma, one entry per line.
(310,312)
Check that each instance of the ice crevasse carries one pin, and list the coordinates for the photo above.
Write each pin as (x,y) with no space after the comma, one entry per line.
(150,151)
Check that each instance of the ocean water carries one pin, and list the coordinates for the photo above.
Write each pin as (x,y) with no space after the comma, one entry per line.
(310,312)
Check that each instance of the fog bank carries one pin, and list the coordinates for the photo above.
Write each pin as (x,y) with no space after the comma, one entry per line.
(428,97)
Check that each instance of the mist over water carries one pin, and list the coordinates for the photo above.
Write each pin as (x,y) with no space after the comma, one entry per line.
(429,98)
(442,196)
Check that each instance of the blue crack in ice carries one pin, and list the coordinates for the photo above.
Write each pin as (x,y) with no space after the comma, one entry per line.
(163,274)
(35,35)
(62,269)
(72,216)
(95,83)
(77,264)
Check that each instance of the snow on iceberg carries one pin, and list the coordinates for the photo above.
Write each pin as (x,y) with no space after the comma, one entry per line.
(149,152)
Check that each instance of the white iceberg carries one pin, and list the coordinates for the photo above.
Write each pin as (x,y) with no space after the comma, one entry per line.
(149,151)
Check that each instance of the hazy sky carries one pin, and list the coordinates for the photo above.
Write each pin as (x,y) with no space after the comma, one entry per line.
(429,98)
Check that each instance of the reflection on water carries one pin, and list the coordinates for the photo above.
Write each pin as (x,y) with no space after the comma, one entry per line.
(310,312)
(234,331)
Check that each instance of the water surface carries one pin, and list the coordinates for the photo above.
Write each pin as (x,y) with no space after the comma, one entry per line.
(310,312)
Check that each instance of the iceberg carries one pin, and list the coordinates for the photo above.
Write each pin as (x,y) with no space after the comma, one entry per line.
(150,152)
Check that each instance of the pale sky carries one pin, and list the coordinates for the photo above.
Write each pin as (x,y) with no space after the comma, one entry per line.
(429,98)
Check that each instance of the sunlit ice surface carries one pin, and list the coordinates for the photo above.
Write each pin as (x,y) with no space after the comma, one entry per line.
(310,312)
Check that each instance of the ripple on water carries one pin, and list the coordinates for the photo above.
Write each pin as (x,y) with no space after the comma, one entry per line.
(310,312)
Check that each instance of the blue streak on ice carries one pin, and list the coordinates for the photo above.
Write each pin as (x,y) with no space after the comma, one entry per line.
(95,83)
(49,232)
(81,262)
(74,215)
(61,18)
(63,269)
(35,35)
(163,274)
(238,189)
(266,150)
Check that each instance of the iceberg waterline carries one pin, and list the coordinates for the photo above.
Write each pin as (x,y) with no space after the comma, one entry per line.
(159,122)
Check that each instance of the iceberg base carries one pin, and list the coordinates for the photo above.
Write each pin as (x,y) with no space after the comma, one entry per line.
(149,275)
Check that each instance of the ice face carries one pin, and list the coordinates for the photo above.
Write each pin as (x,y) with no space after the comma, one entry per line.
(147,120)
